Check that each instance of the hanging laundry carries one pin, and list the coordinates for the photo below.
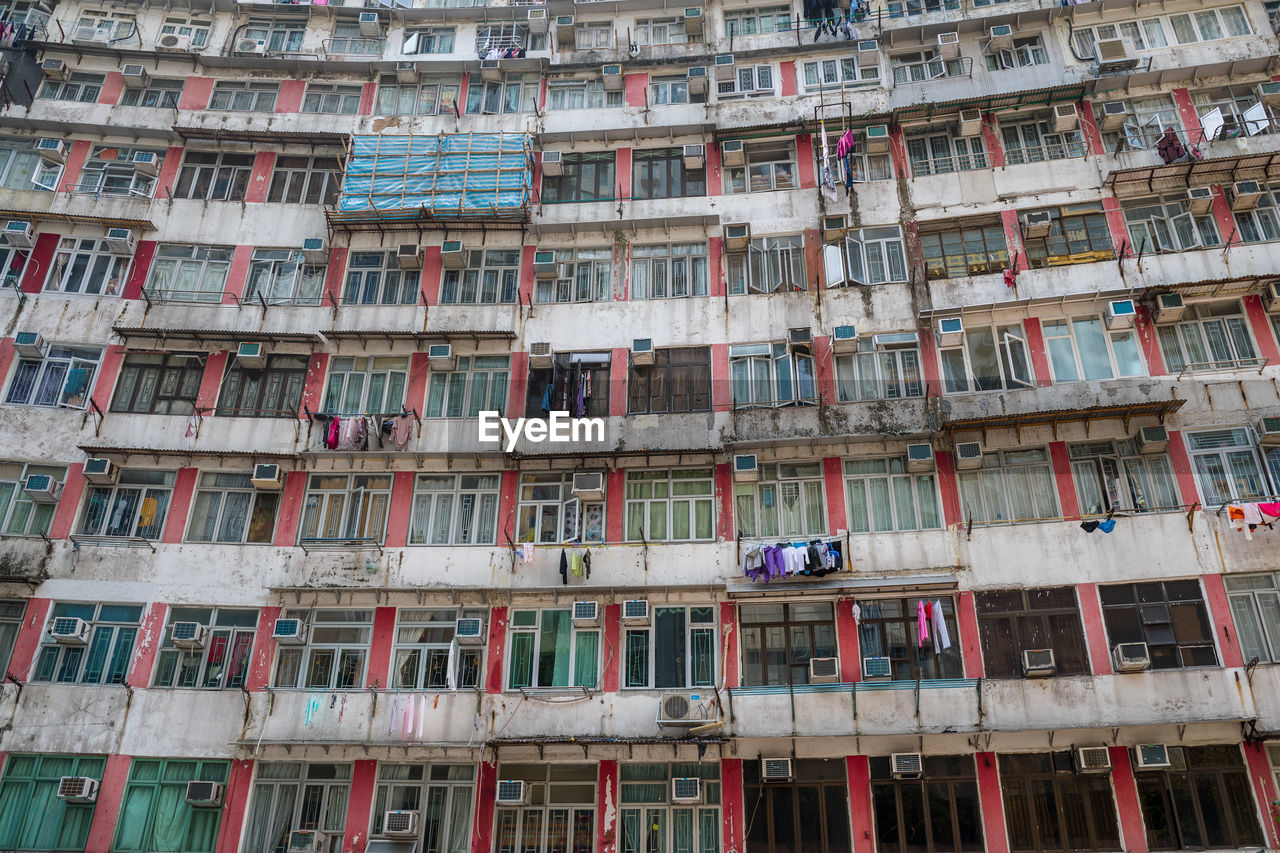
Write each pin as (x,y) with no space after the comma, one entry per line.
(526,552)
(564,567)
(333,433)
(857,613)
(402,431)
(922,624)
(1169,147)
(1088,526)
(941,639)
(1107,526)
(586,563)
(575,565)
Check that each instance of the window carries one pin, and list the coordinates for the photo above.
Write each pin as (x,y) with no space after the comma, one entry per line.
(158,383)
(224,660)
(13,261)
(970,249)
(922,65)
(348,41)
(883,497)
(1169,616)
(1025,52)
(189,273)
(582,275)
(1011,485)
(564,821)
(557,386)
(584,177)
(661,174)
(64,377)
(810,813)
(229,509)
(549,650)
(1227,466)
(750,22)
(988,359)
(515,93)
(1118,477)
(427,97)
(11,613)
(593,36)
(940,153)
(1033,140)
(109,171)
(937,812)
(196,30)
(1166,224)
(479,384)
(375,278)
(244,96)
(271,392)
(305,180)
(491,276)
(342,508)
(21,167)
(80,87)
(282,36)
(885,367)
(444,801)
(88,267)
(282,277)
(672,90)
(678,651)
(1145,122)
(1083,348)
(789,500)
(769,166)
(889,628)
(453,509)
(1153,33)
(1048,806)
(1232,112)
(20,516)
(898,8)
(1255,609)
(770,375)
(550,514)
(678,269)
(332,99)
(335,654)
(427,655)
(866,256)
(491,38)
(209,176)
(104,659)
(581,94)
(1262,223)
(863,69)
(670,506)
(1210,336)
(35,817)
(679,380)
(292,795)
(649,826)
(1203,801)
(1078,234)
(372,385)
(104,27)
(770,265)
(780,639)
(135,505)
(1015,620)
(155,812)
(750,81)
(424,40)
(660,31)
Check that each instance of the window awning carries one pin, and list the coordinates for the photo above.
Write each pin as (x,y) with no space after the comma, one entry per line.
(77,219)
(249,457)
(869,587)
(439,336)
(280,137)
(1148,180)
(201,335)
(1166,77)
(990,103)
(1087,414)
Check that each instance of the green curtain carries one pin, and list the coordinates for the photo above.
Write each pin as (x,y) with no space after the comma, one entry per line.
(586,658)
(554,648)
(169,831)
(521,660)
(133,817)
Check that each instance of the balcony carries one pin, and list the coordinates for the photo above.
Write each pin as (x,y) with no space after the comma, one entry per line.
(869,708)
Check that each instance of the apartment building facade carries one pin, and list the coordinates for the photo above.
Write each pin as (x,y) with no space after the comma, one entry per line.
(981,297)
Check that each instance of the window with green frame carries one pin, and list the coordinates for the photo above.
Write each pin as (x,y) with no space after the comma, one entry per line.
(105,658)
(155,814)
(650,825)
(547,650)
(31,815)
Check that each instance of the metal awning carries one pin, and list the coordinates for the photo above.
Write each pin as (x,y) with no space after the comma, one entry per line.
(437,336)
(253,456)
(990,103)
(1126,81)
(605,458)
(421,219)
(1126,412)
(281,137)
(1264,166)
(202,335)
(898,585)
(77,219)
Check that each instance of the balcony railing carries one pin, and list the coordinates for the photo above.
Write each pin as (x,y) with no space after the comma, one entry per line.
(353,48)
(932,69)
(1044,153)
(946,165)
(164,294)
(499,47)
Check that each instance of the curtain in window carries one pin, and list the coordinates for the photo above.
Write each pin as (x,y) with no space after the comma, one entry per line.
(554,648)
(586,655)
(267,828)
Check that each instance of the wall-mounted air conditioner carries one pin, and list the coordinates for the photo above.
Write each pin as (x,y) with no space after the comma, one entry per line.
(1121,314)
(731,153)
(1093,759)
(1001,36)
(824,671)
(52,151)
(746,468)
(1130,657)
(400,824)
(968,455)
(612,77)
(697,80)
(695,156)
(877,139)
(289,632)
(29,344)
(77,789)
(776,769)
(725,72)
(252,355)
(642,351)
(469,631)
(564,31)
(188,635)
(1066,118)
(174,43)
(970,122)
(1245,195)
(540,356)
(877,668)
(948,45)
(370,26)
(1112,116)
(1268,432)
(267,477)
(692,22)
(54,69)
(409,256)
(135,76)
(544,263)
(588,486)
(314,250)
(844,339)
(907,765)
(1038,663)
(1200,200)
(737,236)
(452,256)
(120,241)
(919,457)
(100,472)
(950,332)
(204,795)
(441,357)
(1168,308)
(41,489)
(69,631)
(1114,55)
(1152,756)
(635,611)
(512,792)
(585,613)
(1036,224)
(406,72)
(686,790)
(19,234)
(1153,439)
(537,20)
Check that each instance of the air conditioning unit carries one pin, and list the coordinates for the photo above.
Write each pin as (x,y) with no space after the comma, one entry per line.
(400,824)
(267,477)
(919,458)
(100,472)
(1093,759)
(737,236)
(564,31)
(1001,37)
(491,70)
(745,468)
(552,165)
(968,455)
(588,486)
(907,765)
(1268,432)
(1200,200)
(1269,93)
(844,339)
(1038,663)
(642,351)
(19,234)
(635,611)
(512,792)
(1036,224)
(876,668)
(78,789)
(1153,439)
(1271,296)
(289,632)
(135,76)
(834,228)
(970,122)
(306,841)
(452,256)
(586,613)
(409,256)
(698,80)
(877,139)
(693,22)
(370,26)
(776,769)
(469,631)
(1113,115)
(52,151)
(724,68)
(441,357)
(314,250)
(612,76)
(258,46)
(824,671)
(731,152)
(544,263)
(950,332)
(1152,756)
(685,790)
(406,72)
(1114,55)
(800,340)
(91,35)
(1168,308)
(683,709)
(948,45)
(537,21)
(251,355)
(54,69)
(120,241)
(174,42)
(29,344)
(41,489)
(1245,195)
(1130,657)
(188,635)
(146,163)
(204,794)
(1121,314)
(540,356)
(695,156)
(1066,118)
(69,631)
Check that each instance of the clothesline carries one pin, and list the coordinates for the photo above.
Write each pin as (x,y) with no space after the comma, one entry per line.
(765,561)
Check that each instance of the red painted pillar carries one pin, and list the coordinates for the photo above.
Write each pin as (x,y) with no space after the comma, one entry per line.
(715,265)
(948,486)
(1067,501)
(313,390)
(7,355)
(1013,239)
(813,259)
(1264,788)
(967,626)
(1133,835)
(805,167)
(486,792)
(929,363)
(364,777)
(68,502)
(787,75)
(729,633)
(847,642)
(115,776)
(196,92)
(1036,350)
(619,366)
(993,829)
(612,640)
(1095,632)
(290,513)
(622,172)
(235,802)
(833,482)
(860,813)
(184,490)
(71,170)
(1223,217)
(991,140)
(1115,224)
(519,384)
(107,373)
(1187,112)
(384,637)
(732,806)
(1148,340)
(416,393)
(26,646)
(238,274)
(112,89)
(1261,324)
(260,177)
(290,98)
(334,275)
(721,387)
(527,279)
(168,172)
(1182,468)
(824,366)
(898,152)
(1089,128)
(507,496)
(495,649)
(432,274)
(607,801)
(637,89)
(615,506)
(1215,596)
(139,269)
(367,96)
(150,635)
(714,177)
(211,380)
(724,490)
(264,650)
(40,261)
(401,506)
